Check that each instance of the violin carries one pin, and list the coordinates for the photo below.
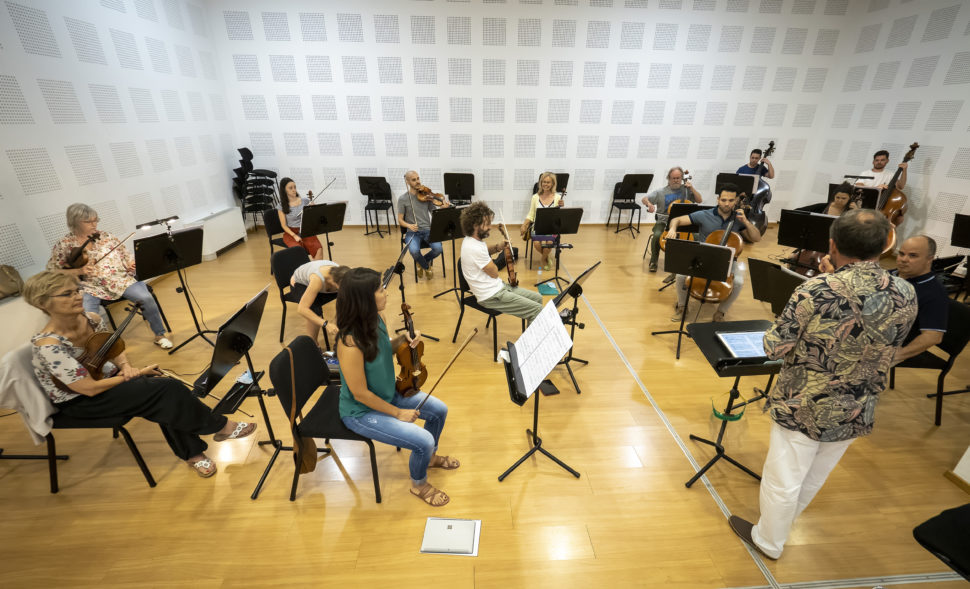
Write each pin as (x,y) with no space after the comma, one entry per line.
(715,291)
(99,348)
(509,258)
(413,371)
(892,201)
(679,234)
(424,194)
(77,258)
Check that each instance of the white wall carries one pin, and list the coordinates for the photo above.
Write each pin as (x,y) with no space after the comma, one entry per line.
(503,89)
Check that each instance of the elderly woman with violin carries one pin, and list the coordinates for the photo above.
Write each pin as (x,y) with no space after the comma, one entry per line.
(370,402)
(414,216)
(104,267)
(481,272)
(678,189)
(546,197)
(84,370)
(723,225)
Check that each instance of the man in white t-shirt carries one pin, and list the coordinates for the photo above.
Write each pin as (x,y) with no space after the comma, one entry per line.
(481,272)
(881,175)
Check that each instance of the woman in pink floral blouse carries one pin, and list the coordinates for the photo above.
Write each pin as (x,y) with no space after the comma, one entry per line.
(110,279)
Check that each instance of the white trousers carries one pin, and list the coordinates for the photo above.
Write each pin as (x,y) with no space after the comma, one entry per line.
(794,471)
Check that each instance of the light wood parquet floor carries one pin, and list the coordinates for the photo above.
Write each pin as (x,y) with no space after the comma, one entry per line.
(627,522)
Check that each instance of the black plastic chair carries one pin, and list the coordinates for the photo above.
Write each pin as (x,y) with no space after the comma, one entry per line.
(271,222)
(283,264)
(323,419)
(945,536)
(382,201)
(623,204)
(111,320)
(467,299)
(116,424)
(954,340)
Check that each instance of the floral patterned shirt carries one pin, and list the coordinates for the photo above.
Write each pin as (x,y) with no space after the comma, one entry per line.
(838,335)
(60,361)
(110,277)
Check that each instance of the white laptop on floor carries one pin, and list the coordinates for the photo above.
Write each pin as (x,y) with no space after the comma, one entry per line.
(449,536)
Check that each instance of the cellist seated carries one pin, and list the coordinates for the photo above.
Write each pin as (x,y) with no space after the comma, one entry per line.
(709,221)
(120,389)
(481,272)
(677,189)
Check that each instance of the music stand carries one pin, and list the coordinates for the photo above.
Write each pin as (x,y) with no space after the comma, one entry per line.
(770,283)
(398,268)
(746,183)
(705,336)
(630,187)
(557,221)
(172,251)
(445,225)
(869,196)
(804,230)
(574,290)
(697,260)
(376,188)
(323,218)
(960,236)
(459,187)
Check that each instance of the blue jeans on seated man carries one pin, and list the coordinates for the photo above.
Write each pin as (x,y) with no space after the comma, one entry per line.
(136,293)
(421,240)
(421,441)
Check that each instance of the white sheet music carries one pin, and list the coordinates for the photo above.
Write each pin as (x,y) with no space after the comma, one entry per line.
(541,347)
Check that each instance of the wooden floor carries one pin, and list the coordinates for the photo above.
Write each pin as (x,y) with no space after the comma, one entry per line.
(627,522)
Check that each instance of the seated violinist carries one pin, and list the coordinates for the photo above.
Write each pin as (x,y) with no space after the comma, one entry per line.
(109,271)
(120,390)
(842,201)
(545,198)
(369,401)
(318,276)
(481,272)
(708,221)
(415,208)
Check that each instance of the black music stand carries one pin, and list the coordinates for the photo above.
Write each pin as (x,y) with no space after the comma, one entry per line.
(697,260)
(445,225)
(557,221)
(770,283)
(746,183)
(630,187)
(805,231)
(168,252)
(376,188)
(868,196)
(459,187)
(323,218)
(705,336)
(574,291)
(960,235)
(513,377)
(398,268)
(679,209)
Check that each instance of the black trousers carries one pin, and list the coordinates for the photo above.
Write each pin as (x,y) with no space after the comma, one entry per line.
(166,401)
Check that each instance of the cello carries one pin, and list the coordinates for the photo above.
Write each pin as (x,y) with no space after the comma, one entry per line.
(680,234)
(762,196)
(715,291)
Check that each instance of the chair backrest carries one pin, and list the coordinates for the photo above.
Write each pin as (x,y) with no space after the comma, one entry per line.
(618,198)
(20,391)
(245,153)
(271,221)
(285,262)
(309,369)
(957,329)
(562,182)
(462,283)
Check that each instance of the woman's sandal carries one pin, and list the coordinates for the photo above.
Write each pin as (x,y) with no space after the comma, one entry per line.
(431,496)
(205,467)
(242,430)
(444,462)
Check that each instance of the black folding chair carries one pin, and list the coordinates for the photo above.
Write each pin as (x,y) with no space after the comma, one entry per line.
(283,264)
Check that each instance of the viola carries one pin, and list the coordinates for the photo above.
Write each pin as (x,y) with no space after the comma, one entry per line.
(77,258)
(413,371)
(715,291)
(892,201)
(424,194)
(99,348)
(509,258)
(679,234)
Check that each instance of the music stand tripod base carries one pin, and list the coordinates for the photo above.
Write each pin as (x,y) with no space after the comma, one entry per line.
(536,442)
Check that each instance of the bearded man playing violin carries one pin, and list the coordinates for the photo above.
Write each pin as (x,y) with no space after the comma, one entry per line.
(415,208)
(708,221)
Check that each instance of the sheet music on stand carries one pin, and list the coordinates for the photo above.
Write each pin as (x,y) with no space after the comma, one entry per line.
(539,349)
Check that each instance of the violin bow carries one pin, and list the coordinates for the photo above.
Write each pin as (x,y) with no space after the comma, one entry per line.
(464,344)
(332,180)
(114,248)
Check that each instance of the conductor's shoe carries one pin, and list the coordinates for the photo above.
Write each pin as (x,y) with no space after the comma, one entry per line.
(742,528)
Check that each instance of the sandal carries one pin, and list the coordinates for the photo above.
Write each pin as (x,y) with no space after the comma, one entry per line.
(205,467)
(444,462)
(431,496)
(242,430)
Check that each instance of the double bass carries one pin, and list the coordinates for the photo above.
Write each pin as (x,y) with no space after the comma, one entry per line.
(762,196)
(892,201)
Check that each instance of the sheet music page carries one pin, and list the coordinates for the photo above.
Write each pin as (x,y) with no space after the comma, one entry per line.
(541,347)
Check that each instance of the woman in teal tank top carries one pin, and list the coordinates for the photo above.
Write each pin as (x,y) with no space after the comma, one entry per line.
(369,402)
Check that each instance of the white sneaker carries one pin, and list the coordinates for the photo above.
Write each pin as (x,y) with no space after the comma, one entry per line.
(164,343)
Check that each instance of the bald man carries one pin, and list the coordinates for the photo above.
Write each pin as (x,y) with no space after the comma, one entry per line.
(914,262)
(415,217)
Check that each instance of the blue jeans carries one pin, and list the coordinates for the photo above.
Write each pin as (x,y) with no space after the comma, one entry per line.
(136,293)
(421,240)
(421,441)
